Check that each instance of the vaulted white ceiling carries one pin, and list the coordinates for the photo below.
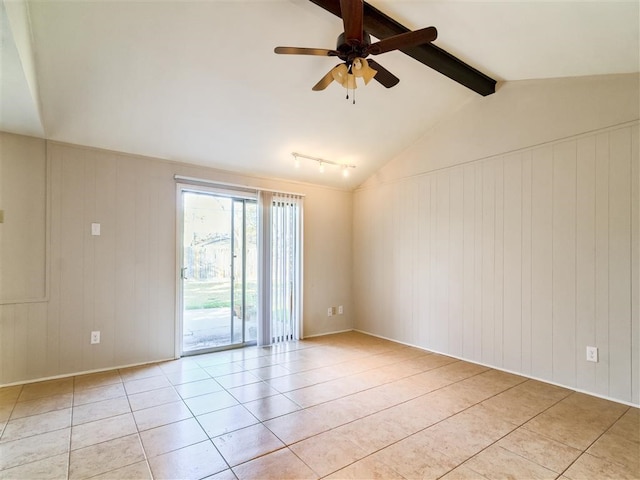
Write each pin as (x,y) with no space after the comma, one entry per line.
(198,82)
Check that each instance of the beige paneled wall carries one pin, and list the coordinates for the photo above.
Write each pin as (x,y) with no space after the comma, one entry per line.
(517,261)
(23,200)
(123,282)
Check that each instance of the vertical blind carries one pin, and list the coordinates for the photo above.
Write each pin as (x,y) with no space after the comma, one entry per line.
(280,297)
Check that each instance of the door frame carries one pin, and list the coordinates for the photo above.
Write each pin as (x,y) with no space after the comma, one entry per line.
(219,191)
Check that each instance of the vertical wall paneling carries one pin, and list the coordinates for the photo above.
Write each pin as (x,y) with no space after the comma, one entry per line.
(421,260)
(396,282)
(7,354)
(564,263)
(602,263)
(635,265)
(365,244)
(620,263)
(512,299)
(372,311)
(541,262)
(425,283)
(413,257)
(359,243)
(125,326)
(468,261)
(37,340)
(488,261)
(164,299)
(405,198)
(585,260)
(23,234)
(377,259)
(526,263)
(55,278)
(522,260)
(7,347)
(383,235)
(20,337)
(434,273)
(143,238)
(499,266)
(478,266)
(105,260)
(442,322)
(386,235)
(455,260)
(87,320)
(72,263)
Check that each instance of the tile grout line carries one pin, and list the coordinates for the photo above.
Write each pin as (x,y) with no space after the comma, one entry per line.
(144,452)
(584,452)
(453,415)
(73,398)
(401,403)
(523,426)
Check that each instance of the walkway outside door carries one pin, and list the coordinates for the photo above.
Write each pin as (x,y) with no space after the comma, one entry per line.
(219,270)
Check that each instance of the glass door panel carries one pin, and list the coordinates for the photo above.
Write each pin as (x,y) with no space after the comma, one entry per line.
(217,251)
(248,288)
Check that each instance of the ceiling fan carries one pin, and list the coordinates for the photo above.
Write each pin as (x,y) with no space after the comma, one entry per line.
(359,16)
(354,46)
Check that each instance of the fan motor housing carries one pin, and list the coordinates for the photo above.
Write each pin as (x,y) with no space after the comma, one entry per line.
(349,52)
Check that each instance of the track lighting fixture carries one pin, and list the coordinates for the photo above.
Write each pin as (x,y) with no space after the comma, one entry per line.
(322,163)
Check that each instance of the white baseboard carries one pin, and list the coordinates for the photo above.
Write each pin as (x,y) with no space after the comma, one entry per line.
(329,333)
(604,397)
(84,372)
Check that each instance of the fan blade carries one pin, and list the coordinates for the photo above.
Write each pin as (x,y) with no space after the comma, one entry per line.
(324,82)
(404,40)
(384,76)
(352,18)
(305,51)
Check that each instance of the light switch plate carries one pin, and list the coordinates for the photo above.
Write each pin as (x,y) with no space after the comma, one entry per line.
(95,229)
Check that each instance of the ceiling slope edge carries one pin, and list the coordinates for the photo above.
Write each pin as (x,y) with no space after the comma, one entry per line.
(16,17)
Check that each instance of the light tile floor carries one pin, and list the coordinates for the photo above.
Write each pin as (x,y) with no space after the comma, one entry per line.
(340,406)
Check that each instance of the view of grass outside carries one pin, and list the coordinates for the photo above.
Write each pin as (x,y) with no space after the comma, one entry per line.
(212,294)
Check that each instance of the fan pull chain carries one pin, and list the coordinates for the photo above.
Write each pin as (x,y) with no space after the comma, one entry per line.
(354,95)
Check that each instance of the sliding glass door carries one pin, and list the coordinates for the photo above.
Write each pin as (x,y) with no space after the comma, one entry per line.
(219,270)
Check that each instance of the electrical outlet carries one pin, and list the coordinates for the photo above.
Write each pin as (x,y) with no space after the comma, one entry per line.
(340,310)
(95,337)
(95,229)
(592,354)
(330,312)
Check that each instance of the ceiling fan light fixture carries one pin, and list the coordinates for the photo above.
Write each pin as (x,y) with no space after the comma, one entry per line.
(361,69)
(342,76)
